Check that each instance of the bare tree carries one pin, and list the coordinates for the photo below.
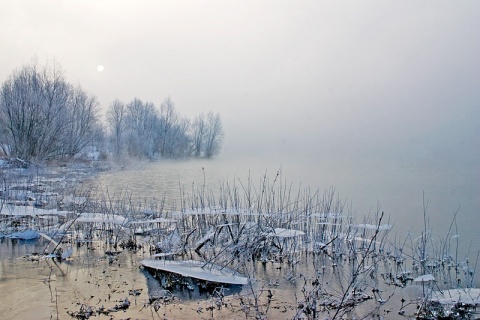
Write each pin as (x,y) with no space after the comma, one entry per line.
(214,135)
(179,141)
(34,110)
(199,131)
(172,138)
(116,115)
(141,121)
(55,112)
(82,115)
(168,118)
(42,115)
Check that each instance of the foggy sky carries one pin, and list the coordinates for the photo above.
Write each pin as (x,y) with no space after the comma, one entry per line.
(367,77)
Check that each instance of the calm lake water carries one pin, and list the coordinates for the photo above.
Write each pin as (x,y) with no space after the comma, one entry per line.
(398,188)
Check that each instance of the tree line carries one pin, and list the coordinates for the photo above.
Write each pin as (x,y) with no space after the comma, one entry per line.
(143,130)
(43,116)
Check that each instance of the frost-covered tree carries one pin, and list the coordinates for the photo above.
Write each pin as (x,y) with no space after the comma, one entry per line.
(141,121)
(172,134)
(147,131)
(82,121)
(178,145)
(42,115)
(214,135)
(116,119)
(199,130)
(167,121)
(207,135)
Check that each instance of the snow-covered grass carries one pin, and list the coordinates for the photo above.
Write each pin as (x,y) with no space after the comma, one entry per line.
(338,264)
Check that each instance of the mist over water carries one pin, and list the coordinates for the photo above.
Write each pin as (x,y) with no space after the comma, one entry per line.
(400,189)
(379,101)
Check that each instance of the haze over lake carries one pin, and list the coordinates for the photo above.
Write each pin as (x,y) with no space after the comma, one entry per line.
(396,188)
(377,100)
